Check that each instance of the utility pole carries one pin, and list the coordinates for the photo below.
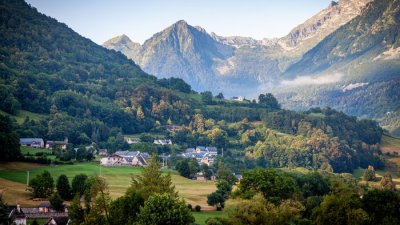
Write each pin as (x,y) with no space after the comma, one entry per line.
(27,180)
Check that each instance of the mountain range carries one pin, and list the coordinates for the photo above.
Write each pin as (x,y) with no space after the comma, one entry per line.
(190,53)
(345,57)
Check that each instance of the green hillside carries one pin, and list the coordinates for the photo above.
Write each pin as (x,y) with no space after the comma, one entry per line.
(58,84)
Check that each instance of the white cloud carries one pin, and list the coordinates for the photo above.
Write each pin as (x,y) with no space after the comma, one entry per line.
(318,80)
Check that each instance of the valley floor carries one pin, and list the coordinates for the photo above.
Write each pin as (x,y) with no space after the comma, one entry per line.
(14,175)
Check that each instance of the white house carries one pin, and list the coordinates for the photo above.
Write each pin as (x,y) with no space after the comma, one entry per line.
(163,142)
(114,160)
(126,158)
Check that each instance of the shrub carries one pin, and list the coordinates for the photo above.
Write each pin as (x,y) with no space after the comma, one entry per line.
(197,208)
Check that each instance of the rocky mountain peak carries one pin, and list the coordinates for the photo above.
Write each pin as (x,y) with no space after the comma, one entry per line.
(180,26)
(122,39)
(307,35)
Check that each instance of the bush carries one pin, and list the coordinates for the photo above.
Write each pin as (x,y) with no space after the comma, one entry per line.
(190,206)
(197,208)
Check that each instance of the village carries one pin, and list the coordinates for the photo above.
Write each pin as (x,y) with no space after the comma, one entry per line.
(122,158)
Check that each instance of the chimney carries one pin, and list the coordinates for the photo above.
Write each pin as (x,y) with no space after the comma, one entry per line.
(18,208)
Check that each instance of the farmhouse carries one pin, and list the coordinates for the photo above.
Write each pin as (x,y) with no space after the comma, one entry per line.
(32,142)
(126,158)
(52,144)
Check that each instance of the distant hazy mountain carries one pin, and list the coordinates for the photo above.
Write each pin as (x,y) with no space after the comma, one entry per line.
(236,65)
(180,51)
(357,68)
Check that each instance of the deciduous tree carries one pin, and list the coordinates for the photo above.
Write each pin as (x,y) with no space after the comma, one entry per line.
(42,185)
(164,209)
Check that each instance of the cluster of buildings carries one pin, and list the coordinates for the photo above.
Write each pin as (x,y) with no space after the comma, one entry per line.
(126,158)
(20,215)
(203,155)
(40,143)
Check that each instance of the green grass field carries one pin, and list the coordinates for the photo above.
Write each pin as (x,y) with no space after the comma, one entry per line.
(32,151)
(119,178)
(202,216)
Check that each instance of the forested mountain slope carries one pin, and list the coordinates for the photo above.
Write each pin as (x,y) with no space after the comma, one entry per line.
(89,94)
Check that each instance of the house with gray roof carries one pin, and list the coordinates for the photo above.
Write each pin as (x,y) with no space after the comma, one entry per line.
(203,155)
(32,142)
(126,158)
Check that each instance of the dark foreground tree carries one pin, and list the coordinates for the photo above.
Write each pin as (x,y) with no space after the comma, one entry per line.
(164,209)
(124,210)
(341,207)
(4,219)
(63,187)
(382,206)
(56,202)
(9,140)
(78,184)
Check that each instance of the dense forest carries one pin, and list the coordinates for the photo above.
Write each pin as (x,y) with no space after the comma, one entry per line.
(89,94)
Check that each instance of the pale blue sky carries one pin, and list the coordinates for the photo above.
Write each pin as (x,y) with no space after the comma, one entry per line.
(100,20)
